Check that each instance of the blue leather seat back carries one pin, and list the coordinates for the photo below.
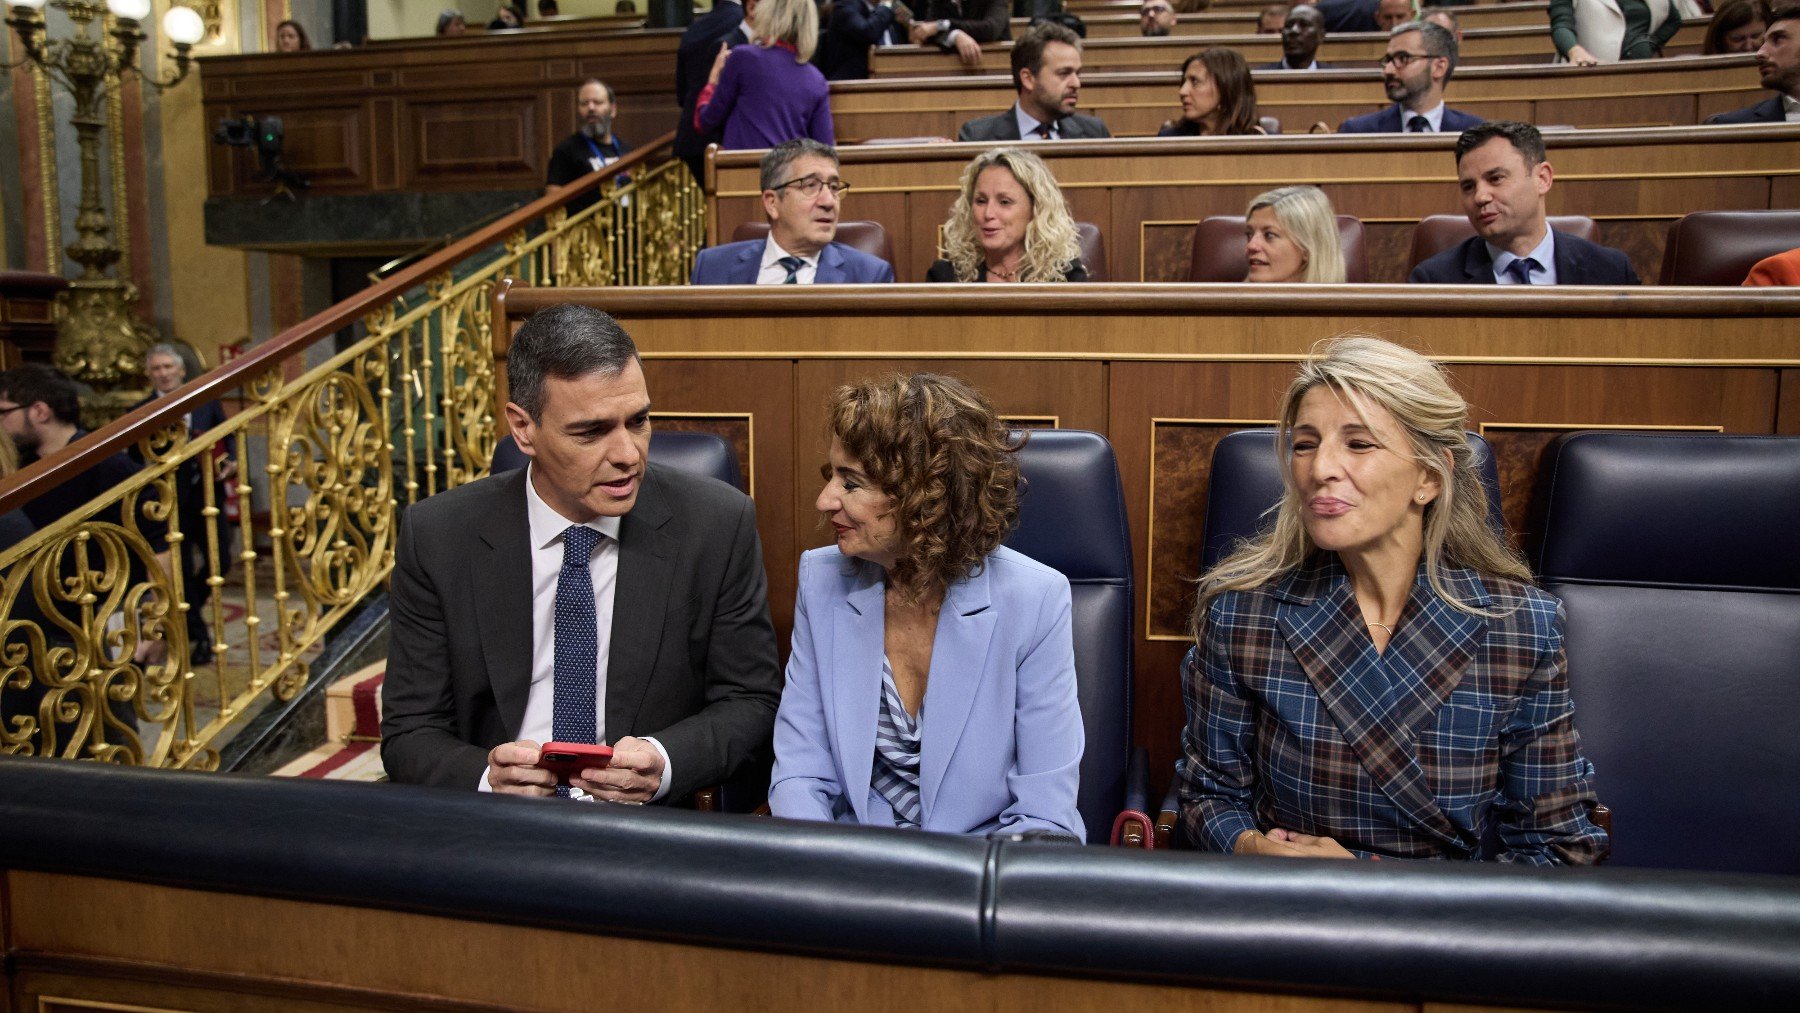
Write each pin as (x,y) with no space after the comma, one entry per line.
(695,453)
(1245,485)
(1072,517)
(1678,561)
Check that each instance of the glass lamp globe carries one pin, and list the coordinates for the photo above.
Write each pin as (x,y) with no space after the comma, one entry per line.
(183,26)
(130,10)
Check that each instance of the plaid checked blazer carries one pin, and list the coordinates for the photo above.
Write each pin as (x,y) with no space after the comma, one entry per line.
(1457,742)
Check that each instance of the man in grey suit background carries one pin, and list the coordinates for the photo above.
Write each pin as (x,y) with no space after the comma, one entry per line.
(1046,71)
(591,596)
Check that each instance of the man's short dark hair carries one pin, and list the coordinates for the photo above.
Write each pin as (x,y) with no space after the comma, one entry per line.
(565,342)
(1072,22)
(1028,52)
(1783,12)
(33,382)
(776,160)
(1522,136)
(610,99)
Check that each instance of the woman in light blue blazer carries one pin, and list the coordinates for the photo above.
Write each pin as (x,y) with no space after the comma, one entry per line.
(932,679)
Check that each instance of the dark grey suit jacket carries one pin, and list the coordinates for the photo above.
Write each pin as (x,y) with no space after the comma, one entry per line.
(1578,262)
(693,659)
(1005,127)
(1767,111)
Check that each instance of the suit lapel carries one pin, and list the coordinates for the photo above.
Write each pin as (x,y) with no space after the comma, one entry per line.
(1570,269)
(640,603)
(858,641)
(500,574)
(1366,693)
(965,631)
(1478,267)
(831,266)
(749,263)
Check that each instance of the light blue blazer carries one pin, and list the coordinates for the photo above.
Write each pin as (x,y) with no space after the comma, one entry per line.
(1001,732)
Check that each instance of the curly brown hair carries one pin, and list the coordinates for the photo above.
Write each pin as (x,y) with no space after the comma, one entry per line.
(935,447)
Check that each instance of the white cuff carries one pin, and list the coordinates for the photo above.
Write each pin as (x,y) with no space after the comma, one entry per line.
(663,788)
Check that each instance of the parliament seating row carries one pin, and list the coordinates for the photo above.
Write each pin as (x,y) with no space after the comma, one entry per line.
(1704,248)
(1148,196)
(1136,103)
(1482,46)
(1105,24)
(248,893)
(1648,540)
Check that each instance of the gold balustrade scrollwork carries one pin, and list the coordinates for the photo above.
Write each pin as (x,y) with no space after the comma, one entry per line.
(95,607)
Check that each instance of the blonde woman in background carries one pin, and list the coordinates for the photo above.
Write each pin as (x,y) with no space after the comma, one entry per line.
(1290,235)
(1009,223)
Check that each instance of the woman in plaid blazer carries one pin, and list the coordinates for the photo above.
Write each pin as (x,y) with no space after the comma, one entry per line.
(1376,676)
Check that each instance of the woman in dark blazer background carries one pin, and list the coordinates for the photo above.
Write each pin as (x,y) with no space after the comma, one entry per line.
(1376,676)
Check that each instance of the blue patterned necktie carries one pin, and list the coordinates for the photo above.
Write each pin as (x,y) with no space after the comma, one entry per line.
(577,642)
(793,265)
(1521,269)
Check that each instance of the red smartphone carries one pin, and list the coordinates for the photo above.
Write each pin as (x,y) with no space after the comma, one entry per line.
(569,759)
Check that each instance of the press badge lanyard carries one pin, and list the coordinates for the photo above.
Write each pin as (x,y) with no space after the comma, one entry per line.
(598,156)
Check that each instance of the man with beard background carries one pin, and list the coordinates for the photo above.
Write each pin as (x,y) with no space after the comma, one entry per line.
(1420,58)
(593,146)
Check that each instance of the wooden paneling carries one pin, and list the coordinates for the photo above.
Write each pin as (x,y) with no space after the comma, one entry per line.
(168,948)
(1147,195)
(429,114)
(1164,371)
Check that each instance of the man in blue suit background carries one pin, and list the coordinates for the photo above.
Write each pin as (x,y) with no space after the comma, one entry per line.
(800,192)
(1504,176)
(1420,59)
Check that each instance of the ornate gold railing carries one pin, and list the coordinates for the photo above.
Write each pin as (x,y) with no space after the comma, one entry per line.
(93,628)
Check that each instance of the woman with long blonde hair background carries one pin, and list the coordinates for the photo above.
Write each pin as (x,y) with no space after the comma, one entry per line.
(1009,223)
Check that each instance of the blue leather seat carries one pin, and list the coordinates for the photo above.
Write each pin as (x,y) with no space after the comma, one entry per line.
(1246,483)
(695,453)
(1677,559)
(1072,517)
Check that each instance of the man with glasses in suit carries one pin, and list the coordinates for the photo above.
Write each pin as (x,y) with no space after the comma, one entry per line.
(1420,59)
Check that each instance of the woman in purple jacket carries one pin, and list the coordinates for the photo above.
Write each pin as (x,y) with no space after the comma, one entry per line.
(768,93)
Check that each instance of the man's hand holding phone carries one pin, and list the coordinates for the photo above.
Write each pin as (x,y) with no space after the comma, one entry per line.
(513,769)
(633,776)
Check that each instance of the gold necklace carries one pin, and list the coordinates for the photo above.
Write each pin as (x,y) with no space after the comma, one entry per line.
(1385,626)
(1004,274)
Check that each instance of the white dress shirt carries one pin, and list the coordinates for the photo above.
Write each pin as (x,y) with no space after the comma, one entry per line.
(772,273)
(1545,255)
(546,536)
(1790,107)
(1028,125)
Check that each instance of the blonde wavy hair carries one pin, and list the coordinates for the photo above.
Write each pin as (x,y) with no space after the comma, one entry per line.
(1305,213)
(1051,245)
(1368,372)
(935,447)
(795,22)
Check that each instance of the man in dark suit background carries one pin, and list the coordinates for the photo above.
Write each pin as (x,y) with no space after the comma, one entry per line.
(1418,64)
(1364,15)
(1046,72)
(855,26)
(800,192)
(1778,61)
(590,597)
(1504,176)
(726,24)
(1301,36)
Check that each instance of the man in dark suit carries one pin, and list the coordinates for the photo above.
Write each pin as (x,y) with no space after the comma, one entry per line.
(800,193)
(855,26)
(590,597)
(1778,61)
(1046,71)
(1420,59)
(1301,36)
(1364,15)
(1504,176)
(727,24)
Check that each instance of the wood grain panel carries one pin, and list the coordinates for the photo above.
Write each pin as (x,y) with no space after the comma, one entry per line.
(497,138)
(161,946)
(1787,418)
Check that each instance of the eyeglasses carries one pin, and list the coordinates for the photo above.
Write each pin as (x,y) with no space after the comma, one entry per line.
(809,186)
(1403,59)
